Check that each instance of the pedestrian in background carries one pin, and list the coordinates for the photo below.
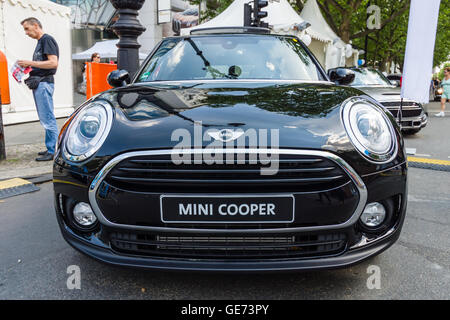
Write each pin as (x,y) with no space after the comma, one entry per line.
(42,82)
(95,57)
(445,84)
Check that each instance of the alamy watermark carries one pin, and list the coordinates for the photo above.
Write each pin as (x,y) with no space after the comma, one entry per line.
(374,280)
(74,280)
(227,146)
(374,20)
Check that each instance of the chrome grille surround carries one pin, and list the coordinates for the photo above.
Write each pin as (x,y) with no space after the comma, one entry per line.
(356,179)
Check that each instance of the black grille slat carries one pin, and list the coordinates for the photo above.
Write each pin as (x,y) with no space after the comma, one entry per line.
(139,170)
(397,104)
(169,161)
(213,247)
(409,109)
(229,246)
(406,113)
(158,173)
(151,180)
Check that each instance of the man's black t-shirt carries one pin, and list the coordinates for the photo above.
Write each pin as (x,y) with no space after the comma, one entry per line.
(46,46)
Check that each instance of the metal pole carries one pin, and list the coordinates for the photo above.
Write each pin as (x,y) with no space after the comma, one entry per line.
(2,136)
(128,29)
(366,40)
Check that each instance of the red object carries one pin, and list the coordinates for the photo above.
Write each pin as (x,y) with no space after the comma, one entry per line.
(401,78)
(96,77)
(4,81)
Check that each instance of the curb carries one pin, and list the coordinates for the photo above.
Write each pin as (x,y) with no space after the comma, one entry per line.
(17,186)
(430,164)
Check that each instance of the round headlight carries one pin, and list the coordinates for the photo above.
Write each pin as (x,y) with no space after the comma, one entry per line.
(370,130)
(88,131)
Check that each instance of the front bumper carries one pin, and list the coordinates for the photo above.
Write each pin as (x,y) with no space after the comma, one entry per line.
(414,123)
(350,257)
(311,246)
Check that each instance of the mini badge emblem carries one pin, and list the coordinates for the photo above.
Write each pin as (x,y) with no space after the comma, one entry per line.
(225,135)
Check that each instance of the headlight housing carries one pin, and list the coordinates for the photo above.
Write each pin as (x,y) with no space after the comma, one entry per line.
(88,130)
(370,130)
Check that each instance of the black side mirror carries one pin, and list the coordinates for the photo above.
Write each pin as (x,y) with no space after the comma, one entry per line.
(341,76)
(118,78)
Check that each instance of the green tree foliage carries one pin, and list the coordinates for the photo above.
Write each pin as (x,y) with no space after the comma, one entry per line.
(385,45)
(442,46)
(213,8)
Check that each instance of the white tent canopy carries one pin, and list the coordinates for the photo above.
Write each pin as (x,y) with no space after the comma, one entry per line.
(335,55)
(319,27)
(281,16)
(16,45)
(106,49)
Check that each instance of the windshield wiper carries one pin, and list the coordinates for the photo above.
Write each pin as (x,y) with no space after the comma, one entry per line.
(214,72)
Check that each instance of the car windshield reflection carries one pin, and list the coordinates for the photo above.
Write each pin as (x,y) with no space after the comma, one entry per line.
(230,57)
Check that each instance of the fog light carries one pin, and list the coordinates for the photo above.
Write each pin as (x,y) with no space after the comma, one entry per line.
(83,214)
(373,215)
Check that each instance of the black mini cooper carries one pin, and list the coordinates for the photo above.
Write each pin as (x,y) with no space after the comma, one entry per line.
(230,150)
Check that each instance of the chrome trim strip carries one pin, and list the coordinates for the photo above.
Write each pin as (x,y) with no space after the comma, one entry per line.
(344,165)
(366,241)
(200,81)
(381,171)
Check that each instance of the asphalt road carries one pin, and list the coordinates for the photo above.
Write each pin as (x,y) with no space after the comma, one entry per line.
(35,258)
(433,140)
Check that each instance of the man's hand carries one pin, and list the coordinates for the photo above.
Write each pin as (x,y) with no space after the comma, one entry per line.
(51,63)
(25,63)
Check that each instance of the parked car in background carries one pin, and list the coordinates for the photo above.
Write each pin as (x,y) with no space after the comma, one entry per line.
(396,80)
(376,85)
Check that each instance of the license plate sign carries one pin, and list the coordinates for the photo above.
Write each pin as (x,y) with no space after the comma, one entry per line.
(227,209)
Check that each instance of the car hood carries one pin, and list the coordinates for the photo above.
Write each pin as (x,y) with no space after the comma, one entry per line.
(159,116)
(306,115)
(381,93)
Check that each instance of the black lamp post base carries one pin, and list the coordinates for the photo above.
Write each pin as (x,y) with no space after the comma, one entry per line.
(128,29)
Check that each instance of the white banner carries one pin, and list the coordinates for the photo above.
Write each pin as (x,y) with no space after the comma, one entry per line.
(417,69)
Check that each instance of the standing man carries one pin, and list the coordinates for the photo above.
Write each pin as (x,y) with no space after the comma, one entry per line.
(44,65)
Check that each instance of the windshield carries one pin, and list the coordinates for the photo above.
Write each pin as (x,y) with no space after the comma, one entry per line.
(366,77)
(230,57)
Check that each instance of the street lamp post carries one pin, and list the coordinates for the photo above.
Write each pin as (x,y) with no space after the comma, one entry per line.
(128,29)
(2,137)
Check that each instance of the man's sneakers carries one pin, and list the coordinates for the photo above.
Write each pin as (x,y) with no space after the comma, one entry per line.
(440,114)
(44,156)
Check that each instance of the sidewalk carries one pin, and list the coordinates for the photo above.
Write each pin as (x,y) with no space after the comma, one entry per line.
(23,142)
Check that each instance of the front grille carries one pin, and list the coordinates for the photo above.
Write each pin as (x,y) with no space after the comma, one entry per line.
(409,109)
(160,174)
(229,247)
